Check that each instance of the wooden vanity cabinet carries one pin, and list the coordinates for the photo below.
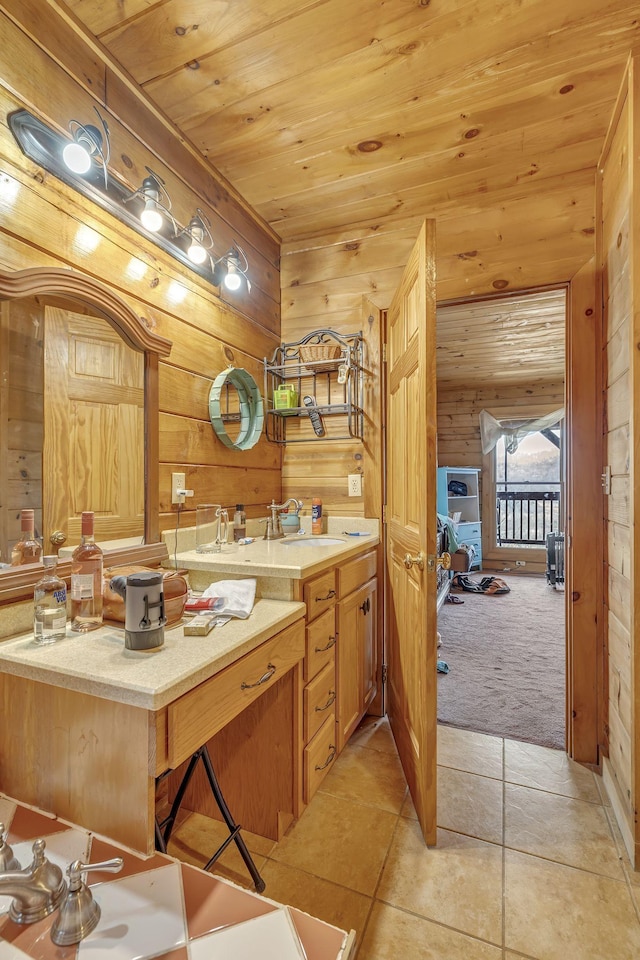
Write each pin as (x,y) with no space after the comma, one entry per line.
(357,661)
(340,662)
(319,698)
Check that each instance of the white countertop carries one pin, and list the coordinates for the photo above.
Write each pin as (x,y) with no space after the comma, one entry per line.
(97,663)
(285,558)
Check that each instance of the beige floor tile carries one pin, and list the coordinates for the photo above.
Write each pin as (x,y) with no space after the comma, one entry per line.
(470,804)
(197,837)
(546,769)
(408,809)
(367,776)
(562,829)
(457,883)
(339,840)
(392,934)
(327,901)
(632,875)
(555,912)
(470,751)
(375,733)
(602,793)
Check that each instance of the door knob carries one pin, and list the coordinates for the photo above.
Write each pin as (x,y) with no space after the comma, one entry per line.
(409,561)
(444,561)
(57,538)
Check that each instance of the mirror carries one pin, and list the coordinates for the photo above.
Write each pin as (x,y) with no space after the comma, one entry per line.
(78,387)
(236,409)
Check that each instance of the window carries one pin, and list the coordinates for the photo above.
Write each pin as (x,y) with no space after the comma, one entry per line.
(528,488)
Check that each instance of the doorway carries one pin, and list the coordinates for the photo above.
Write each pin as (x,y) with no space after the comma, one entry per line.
(504,647)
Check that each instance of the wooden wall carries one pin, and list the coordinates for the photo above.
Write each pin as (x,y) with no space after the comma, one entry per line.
(319,468)
(62,75)
(325,277)
(459,442)
(618,232)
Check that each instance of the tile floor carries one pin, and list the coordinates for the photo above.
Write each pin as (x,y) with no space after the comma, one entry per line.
(528,864)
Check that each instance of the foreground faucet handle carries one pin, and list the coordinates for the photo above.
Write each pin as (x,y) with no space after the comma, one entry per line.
(79,913)
(7,859)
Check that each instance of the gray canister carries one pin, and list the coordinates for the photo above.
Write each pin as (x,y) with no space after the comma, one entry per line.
(144,609)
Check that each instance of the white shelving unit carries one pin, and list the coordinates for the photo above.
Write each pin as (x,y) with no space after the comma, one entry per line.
(450,503)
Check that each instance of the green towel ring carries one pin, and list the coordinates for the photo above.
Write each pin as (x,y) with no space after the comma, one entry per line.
(251,408)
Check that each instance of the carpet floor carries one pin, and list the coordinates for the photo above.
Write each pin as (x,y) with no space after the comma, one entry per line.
(506,658)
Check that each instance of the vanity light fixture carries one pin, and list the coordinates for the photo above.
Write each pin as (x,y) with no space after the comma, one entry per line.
(231,269)
(88,144)
(156,203)
(198,230)
(83,165)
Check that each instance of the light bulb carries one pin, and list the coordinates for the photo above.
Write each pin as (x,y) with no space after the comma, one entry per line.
(233,279)
(77,157)
(151,218)
(197,253)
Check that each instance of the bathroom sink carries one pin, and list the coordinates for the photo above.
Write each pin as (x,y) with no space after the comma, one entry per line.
(311,542)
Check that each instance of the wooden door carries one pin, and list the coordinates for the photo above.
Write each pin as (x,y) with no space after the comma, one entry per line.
(411,526)
(93,443)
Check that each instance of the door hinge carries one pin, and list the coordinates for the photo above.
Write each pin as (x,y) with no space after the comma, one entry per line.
(384,353)
(384,513)
(384,673)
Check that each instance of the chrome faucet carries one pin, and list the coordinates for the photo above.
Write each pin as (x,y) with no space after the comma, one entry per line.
(7,859)
(79,913)
(274,527)
(37,890)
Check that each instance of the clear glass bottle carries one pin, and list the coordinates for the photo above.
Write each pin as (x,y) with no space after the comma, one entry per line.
(239,522)
(27,549)
(86,580)
(49,605)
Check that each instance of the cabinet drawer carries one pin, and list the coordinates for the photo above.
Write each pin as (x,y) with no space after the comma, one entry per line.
(195,717)
(319,757)
(356,572)
(469,531)
(320,594)
(319,700)
(321,642)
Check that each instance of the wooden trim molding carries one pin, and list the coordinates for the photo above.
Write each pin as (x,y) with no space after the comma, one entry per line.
(17,583)
(56,281)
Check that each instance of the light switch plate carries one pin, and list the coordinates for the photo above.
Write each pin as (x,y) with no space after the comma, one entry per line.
(355,484)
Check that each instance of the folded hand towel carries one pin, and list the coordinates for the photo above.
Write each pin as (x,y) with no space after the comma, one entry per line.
(238,595)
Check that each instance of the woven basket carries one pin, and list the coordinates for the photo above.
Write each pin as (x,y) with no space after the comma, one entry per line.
(318,355)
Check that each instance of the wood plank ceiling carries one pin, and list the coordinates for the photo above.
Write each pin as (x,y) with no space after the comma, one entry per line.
(518,339)
(344,124)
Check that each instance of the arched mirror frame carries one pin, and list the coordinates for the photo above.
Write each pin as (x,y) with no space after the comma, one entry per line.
(17,583)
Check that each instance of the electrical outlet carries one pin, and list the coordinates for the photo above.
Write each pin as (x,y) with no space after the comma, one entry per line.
(355,484)
(521,563)
(178,482)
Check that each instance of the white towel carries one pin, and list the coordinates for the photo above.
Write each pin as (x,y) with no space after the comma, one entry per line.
(238,596)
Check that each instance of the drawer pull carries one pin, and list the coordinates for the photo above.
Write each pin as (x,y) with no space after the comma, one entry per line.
(332,699)
(332,753)
(332,643)
(365,606)
(331,594)
(263,679)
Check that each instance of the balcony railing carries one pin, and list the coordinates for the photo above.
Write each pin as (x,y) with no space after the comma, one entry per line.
(525,517)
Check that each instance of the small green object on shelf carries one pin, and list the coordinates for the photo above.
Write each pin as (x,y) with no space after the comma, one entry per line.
(285,398)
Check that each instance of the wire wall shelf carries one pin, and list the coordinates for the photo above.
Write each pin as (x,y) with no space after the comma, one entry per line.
(318,377)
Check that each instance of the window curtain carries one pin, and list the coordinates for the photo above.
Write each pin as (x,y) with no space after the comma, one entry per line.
(513,431)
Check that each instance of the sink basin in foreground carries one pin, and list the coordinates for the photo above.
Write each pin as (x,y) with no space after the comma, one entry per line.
(311,542)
